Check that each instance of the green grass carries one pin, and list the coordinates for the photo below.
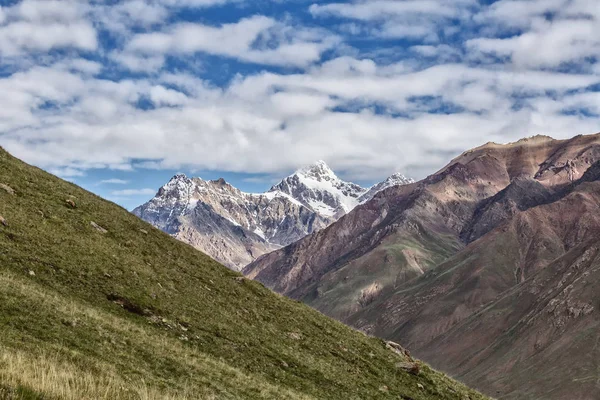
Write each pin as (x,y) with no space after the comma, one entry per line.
(135,314)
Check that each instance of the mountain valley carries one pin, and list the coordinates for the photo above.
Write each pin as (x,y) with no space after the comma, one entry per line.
(97,304)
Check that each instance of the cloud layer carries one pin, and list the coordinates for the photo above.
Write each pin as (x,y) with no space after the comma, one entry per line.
(370,86)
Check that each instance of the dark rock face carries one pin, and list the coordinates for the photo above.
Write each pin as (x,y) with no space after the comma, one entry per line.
(486,269)
(519,195)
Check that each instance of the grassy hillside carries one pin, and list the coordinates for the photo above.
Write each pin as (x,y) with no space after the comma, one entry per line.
(96,304)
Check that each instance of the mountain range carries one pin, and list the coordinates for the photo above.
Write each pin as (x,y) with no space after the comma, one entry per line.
(97,304)
(488,268)
(235,228)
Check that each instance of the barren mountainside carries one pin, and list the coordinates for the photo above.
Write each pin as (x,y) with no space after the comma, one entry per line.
(485,268)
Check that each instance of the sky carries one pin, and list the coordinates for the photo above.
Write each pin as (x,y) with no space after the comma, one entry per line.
(118,96)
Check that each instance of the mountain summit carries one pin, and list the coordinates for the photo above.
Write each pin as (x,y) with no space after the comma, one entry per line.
(318,188)
(235,227)
(319,170)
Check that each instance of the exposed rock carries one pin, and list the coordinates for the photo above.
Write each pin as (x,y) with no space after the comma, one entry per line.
(98,227)
(145,232)
(71,203)
(410,367)
(7,189)
(434,219)
(398,349)
(3,221)
(506,241)
(31,273)
(369,294)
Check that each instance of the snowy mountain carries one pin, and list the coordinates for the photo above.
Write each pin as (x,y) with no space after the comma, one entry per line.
(394,180)
(318,188)
(235,227)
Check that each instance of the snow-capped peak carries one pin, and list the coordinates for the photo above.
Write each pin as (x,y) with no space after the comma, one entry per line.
(394,180)
(178,187)
(236,227)
(319,171)
(318,188)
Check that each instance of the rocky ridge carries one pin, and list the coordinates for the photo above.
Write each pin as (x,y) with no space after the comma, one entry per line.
(235,227)
(487,268)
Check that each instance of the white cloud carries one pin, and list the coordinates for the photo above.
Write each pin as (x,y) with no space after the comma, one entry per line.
(369,111)
(139,62)
(40,26)
(49,10)
(411,19)
(162,96)
(67,172)
(18,37)
(121,18)
(81,65)
(241,40)
(114,181)
(195,3)
(570,35)
(133,192)
(383,9)
(548,44)
(272,123)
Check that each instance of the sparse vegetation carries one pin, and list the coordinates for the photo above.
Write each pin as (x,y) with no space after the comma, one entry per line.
(128,312)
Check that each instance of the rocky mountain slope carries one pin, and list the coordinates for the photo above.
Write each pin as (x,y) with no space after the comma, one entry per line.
(235,227)
(486,268)
(318,188)
(97,304)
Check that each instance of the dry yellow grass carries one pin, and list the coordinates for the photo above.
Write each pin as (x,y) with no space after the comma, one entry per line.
(50,376)
(53,376)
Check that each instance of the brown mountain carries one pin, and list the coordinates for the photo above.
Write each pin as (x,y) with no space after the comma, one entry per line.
(474,268)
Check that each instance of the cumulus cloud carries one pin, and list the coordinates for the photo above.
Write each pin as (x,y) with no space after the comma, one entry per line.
(114,181)
(300,92)
(272,122)
(399,19)
(250,39)
(133,192)
(554,32)
(40,26)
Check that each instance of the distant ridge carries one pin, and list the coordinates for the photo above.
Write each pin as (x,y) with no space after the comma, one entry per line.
(235,227)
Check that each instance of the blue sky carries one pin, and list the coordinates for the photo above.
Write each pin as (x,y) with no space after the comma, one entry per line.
(117,96)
